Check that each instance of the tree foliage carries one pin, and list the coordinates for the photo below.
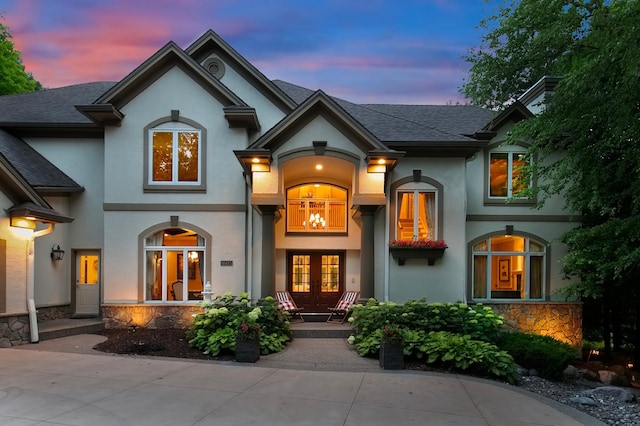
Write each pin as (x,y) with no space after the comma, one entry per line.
(13,77)
(524,41)
(592,119)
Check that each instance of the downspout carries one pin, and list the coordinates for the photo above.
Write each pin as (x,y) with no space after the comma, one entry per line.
(31,272)
(248,240)
(387,230)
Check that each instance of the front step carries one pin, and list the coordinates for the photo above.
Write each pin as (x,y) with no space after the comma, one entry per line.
(320,330)
(54,329)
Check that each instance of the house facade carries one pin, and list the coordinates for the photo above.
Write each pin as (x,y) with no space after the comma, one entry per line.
(196,170)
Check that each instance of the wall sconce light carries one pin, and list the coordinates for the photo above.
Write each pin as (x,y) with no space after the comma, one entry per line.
(57,253)
(508,230)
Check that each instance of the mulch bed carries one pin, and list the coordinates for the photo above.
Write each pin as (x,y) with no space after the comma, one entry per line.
(171,342)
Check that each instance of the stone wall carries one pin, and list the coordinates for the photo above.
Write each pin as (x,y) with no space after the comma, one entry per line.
(48,313)
(14,330)
(149,316)
(562,321)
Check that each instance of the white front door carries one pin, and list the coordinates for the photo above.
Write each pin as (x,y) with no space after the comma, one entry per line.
(87,283)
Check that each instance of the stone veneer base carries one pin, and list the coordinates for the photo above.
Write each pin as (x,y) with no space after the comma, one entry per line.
(560,320)
(14,330)
(149,316)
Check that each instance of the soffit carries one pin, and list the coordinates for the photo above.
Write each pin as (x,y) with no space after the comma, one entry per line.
(303,169)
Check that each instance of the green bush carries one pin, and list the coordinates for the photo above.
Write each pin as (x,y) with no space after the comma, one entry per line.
(447,335)
(544,353)
(455,351)
(215,330)
(477,321)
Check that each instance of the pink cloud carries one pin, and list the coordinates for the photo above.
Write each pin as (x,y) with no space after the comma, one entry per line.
(106,45)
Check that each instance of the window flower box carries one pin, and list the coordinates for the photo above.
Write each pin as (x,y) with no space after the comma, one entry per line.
(423,248)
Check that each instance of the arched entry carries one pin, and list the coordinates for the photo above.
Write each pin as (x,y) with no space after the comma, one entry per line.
(174,265)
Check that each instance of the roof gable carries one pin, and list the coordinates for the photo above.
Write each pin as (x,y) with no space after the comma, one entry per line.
(319,104)
(211,43)
(157,65)
(514,112)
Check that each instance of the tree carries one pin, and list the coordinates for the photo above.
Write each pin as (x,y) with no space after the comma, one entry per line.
(525,40)
(593,118)
(13,77)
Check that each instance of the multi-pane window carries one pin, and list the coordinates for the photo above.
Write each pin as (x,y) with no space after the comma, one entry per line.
(416,215)
(508,267)
(174,266)
(174,157)
(506,176)
(317,208)
(301,274)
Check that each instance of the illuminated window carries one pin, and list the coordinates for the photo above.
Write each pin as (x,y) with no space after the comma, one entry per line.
(416,215)
(174,157)
(506,175)
(508,267)
(317,208)
(174,266)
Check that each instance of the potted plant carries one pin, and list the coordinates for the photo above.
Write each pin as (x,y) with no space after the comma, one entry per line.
(417,248)
(392,348)
(248,341)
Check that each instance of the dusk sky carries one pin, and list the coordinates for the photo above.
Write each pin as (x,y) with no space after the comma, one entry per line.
(364,51)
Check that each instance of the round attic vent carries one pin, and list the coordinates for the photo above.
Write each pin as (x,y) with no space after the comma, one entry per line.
(215,67)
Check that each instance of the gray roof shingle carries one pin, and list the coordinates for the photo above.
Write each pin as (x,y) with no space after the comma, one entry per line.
(408,123)
(51,106)
(36,170)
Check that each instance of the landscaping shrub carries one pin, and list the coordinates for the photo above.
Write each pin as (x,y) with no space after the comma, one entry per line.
(460,352)
(216,328)
(477,321)
(544,353)
(446,335)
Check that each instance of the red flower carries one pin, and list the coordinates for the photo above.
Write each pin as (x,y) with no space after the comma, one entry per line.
(422,243)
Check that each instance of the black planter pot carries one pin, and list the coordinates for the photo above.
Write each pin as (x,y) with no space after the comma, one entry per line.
(247,350)
(391,356)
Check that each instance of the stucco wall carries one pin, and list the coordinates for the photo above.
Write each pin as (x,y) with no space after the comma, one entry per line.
(443,281)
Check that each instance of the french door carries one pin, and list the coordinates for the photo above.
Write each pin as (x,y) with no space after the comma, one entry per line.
(315,279)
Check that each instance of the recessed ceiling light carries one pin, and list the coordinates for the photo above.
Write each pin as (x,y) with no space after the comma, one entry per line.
(318,166)
(255,160)
(382,161)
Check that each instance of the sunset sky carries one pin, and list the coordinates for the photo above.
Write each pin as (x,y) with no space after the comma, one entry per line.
(366,51)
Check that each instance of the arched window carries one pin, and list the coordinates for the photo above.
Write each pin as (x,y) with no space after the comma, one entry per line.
(317,208)
(174,266)
(508,267)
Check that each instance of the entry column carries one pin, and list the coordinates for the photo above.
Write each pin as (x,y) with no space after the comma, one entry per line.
(268,273)
(367,215)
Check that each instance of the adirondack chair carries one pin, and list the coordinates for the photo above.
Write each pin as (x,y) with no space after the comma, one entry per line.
(341,309)
(287,304)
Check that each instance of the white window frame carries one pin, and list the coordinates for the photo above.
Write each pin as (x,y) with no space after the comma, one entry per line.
(417,189)
(527,254)
(165,281)
(175,162)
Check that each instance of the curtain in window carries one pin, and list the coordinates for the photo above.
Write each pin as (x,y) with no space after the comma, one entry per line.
(430,207)
(201,242)
(535,278)
(152,265)
(480,277)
